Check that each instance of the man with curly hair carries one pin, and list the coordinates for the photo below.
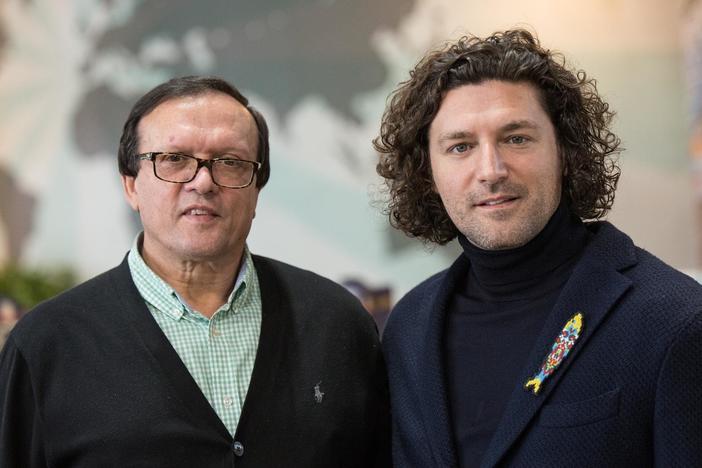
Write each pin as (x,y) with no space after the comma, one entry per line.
(552,340)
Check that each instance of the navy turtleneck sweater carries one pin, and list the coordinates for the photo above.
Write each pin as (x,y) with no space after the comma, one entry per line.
(493,320)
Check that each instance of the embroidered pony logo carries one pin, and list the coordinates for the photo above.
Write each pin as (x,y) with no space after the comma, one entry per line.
(560,349)
(318,394)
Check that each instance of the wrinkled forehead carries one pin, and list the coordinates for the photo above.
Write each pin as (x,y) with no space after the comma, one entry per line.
(205,117)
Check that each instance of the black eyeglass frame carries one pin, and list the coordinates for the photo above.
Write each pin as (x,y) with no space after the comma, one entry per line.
(151,156)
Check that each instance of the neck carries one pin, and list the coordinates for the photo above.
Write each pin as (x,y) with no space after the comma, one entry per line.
(203,284)
(516,273)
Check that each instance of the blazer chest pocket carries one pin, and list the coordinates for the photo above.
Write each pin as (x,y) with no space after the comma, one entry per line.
(579,413)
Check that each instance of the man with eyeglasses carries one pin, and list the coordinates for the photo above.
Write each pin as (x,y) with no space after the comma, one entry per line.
(194,352)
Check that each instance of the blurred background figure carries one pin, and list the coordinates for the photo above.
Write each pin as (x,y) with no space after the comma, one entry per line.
(692,48)
(22,288)
(9,314)
(377,301)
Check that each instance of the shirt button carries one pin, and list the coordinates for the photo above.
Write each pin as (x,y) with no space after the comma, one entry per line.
(238,448)
(228,401)
(216,332)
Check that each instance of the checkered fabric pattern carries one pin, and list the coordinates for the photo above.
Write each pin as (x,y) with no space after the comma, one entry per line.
(219,352)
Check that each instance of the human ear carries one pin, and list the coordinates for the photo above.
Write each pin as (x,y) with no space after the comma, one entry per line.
(130,191)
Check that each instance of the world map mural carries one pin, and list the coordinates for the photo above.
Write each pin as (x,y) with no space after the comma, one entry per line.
(319,71)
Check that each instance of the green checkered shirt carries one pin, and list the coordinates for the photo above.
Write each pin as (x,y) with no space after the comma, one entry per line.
(218,352)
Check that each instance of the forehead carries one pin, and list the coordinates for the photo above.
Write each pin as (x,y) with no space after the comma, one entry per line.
(490,102)
(210,118)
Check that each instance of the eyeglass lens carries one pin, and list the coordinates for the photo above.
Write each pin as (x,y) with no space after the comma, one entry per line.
(182,168)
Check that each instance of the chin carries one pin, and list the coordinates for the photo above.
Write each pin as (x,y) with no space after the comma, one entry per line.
(496,241)
(202,252)
(498,245)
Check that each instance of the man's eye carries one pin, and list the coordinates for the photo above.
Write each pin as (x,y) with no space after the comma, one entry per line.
(459,148)
(173,158)
(517,139)
(229,162)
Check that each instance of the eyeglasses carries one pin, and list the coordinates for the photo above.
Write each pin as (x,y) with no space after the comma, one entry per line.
(180,168)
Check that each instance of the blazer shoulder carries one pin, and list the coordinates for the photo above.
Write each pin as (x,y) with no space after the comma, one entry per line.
(655,286)
(411,312)
(660,301)
(655,273)
(666,292)
(417,295)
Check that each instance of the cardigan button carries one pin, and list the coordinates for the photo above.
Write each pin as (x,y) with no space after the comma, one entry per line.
(238,448)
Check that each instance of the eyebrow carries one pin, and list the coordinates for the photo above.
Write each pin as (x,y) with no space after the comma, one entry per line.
(456,135)
(508,127)
(229,151)
(519,124)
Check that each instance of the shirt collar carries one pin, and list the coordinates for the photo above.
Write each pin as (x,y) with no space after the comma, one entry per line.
(159,294)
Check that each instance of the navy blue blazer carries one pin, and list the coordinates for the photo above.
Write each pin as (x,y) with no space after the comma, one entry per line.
(629,393)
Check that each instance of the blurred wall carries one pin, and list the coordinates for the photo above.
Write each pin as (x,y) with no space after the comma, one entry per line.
(320,71)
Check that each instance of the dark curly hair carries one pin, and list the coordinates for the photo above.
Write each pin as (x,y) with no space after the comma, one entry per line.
(580,117)
(187,86)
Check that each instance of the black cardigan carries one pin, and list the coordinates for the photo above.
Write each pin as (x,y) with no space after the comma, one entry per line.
(88,379)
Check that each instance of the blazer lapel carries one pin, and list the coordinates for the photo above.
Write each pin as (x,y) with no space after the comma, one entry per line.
(432,381)
(593,289)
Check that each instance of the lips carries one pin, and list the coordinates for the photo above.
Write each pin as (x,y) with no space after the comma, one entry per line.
(496,201)
(200,211)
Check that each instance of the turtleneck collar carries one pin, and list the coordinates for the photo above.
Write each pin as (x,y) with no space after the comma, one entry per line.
(528,271)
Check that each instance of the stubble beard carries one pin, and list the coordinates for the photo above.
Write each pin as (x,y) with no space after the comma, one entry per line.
(501,230)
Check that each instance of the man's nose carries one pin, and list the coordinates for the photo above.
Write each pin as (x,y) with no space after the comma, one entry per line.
(491,164)
(203,181)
